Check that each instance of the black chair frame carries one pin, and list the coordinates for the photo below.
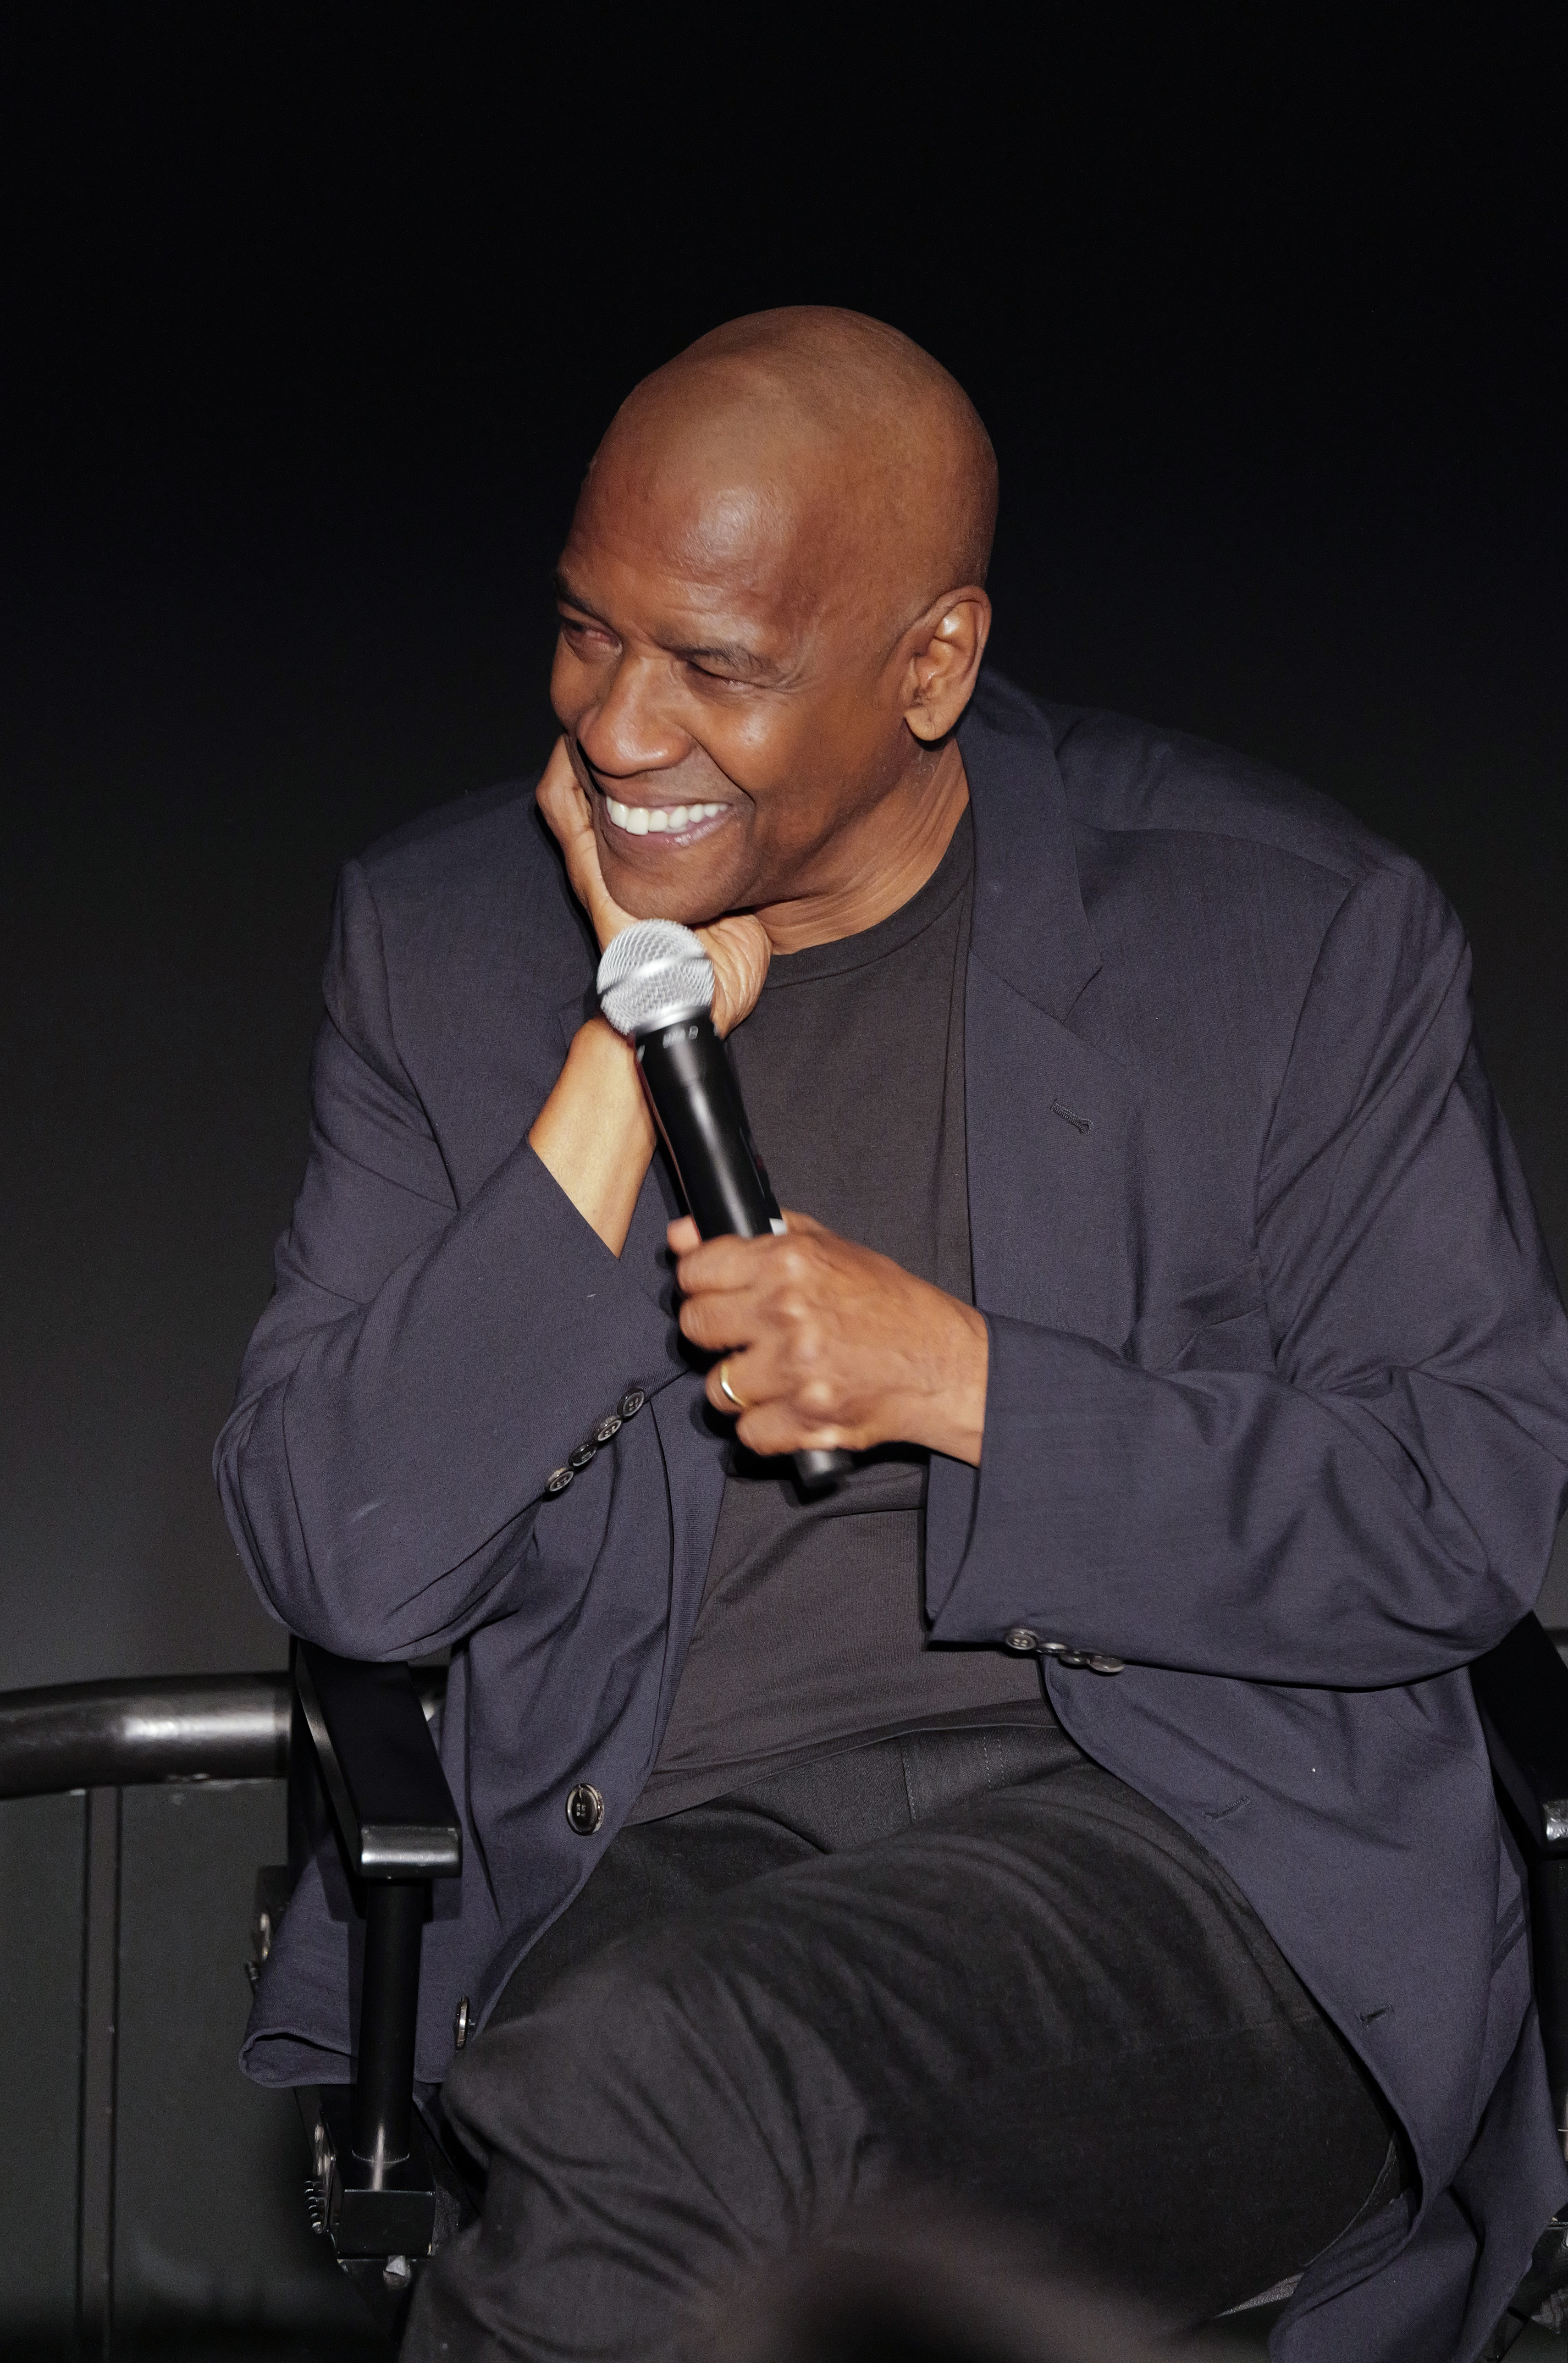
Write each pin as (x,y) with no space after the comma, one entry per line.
(363,1764)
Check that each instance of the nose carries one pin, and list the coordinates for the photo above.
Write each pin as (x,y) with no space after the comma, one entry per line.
(629,727)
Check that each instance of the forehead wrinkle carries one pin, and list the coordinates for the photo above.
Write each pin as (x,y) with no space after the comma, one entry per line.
(708,605)
(722,578)
(723,522)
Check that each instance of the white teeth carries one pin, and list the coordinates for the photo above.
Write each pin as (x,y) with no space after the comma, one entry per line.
(659,820)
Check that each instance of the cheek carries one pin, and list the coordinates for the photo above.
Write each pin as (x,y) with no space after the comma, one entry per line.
(743,742)
(778,758)
(813,778)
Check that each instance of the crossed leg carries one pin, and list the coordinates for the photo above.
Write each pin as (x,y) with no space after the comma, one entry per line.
(1038,1996)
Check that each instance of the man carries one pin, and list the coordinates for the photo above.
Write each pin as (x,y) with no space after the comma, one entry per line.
(1154,1242)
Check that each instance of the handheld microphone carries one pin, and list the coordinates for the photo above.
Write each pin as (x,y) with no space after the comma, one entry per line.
(656,987)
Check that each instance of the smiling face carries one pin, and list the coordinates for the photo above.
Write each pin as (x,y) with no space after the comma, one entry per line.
(745,671)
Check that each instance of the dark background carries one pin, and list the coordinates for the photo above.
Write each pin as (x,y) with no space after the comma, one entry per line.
(310,325)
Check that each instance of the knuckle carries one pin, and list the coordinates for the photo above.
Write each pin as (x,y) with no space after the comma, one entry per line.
(809,1345)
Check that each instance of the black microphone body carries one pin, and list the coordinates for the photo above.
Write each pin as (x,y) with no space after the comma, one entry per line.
(697,1101)
(696,1104)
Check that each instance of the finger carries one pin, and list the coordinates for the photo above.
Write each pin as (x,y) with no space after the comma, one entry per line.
(804,1225)
(681,1236)
(563,801)
(723,1324)
(722,1264)
(568,813)
(740,949)
(756,1376)
(744,1380)
(776,1428)
(561,797)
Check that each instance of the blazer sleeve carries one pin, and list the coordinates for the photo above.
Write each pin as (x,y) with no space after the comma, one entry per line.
(1380,1505)
(421,1368)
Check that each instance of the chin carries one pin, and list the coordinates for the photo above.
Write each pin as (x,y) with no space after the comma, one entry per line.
(695,902)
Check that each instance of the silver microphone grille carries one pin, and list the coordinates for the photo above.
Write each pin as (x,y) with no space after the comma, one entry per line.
(651,974)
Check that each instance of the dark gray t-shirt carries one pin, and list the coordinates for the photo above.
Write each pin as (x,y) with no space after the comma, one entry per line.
(811,1634)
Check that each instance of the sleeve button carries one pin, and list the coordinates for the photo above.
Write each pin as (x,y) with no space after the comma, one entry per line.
(557,1480)
(1100,1664)
(585,1809)
(606,1428)
(632,1401)
(580,1456)
(1020,1639)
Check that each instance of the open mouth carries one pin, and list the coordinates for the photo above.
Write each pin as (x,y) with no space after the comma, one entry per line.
(684,821)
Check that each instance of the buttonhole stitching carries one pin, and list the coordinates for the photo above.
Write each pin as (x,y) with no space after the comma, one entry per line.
(1080,1123)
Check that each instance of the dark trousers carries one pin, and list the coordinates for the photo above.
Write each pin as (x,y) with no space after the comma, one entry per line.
(970,1962)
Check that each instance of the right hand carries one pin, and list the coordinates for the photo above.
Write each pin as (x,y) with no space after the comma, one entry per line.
(739,947)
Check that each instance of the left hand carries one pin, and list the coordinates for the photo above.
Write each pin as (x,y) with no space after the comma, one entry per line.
(829,1344)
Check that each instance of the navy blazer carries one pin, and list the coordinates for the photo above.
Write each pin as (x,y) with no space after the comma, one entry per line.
(1277,1413)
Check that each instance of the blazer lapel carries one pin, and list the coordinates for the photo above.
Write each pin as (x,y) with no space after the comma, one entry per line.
(1052,1122)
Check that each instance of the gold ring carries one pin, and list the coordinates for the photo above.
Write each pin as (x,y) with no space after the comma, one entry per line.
(726,1389)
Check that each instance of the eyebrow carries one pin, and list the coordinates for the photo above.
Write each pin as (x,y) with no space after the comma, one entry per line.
(731,654)
(568,597)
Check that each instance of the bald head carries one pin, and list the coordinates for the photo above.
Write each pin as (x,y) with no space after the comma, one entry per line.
(842,428)
(773,612)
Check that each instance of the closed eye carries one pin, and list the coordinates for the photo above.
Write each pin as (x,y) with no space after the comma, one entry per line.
(576,630)
(720,680)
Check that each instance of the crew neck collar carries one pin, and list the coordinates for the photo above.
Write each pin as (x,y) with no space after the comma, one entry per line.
(924,908)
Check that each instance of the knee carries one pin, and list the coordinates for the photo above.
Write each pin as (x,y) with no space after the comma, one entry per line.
(588,2048)
(556,2081)
(663,2064)
(631,2168)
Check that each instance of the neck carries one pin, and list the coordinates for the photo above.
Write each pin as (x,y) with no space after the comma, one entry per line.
(880,860)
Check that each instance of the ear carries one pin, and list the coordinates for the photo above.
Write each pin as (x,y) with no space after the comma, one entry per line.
(944,652)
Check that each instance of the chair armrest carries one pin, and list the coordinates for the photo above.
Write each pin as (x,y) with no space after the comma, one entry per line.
(379,1765)
(1521,1688)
